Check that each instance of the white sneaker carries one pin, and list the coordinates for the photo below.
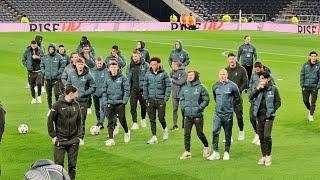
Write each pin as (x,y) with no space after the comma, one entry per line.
(214,156)
(127,137)
(311,119)
(165,134)
(185,155)
(143,123)
(81,142)
(224,141)
(110,142)
(43,89)
(116,130)
(33,101)
(226,156)
(261,161)
(39,101)
(153,140)
(206,152)
(267,161)
(135,126)
(48,113)
(255,139)
(257,143)
(89,111)
(241,136)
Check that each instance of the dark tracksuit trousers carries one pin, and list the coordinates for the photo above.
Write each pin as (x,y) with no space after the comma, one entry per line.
(239,114)
(153,106)
(306,92)
(2,121)
(84,108)
(112,111)
(72,152)
(175,105)
(188,123)
(249,70)
(264,128)
(35,80)
(99,109)
(253,119)
(225,121)
(135,96)
(52,85)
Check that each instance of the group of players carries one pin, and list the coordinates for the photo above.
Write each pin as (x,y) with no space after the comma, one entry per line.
(83,77)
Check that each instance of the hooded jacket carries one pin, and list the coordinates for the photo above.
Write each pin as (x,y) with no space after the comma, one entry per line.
(52,65)
(194,98)
(266,101)
(100,75)
(65,58)
(179,54)
(143,69)
(84,82)
(116,90)
(66,72)
(65,122)
(179,78)
(27,60)
(310,75)
(144,52)
(157,85)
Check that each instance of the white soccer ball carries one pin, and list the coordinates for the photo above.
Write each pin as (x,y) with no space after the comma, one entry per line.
(23,128)
(94,130)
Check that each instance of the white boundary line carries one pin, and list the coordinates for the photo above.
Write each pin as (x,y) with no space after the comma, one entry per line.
(216,48)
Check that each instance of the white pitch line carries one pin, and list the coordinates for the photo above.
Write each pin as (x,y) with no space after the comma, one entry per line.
(216,48)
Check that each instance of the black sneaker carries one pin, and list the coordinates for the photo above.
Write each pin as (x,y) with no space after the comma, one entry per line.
(174,128)
(100,125)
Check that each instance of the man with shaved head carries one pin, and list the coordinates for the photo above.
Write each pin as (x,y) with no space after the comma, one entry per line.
(227,97)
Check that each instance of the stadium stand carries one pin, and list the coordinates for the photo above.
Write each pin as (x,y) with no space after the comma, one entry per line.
(206,8)
(310,7)
(69,10)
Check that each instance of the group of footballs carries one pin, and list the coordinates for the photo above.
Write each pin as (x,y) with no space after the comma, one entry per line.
(23,129)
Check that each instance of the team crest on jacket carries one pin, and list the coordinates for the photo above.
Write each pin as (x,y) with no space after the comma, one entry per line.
(181,56)
(196,91)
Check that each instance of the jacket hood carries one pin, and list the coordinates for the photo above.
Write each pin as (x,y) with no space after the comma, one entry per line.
(181,45)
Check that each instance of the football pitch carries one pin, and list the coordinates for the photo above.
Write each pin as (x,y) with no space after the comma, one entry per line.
(296,147)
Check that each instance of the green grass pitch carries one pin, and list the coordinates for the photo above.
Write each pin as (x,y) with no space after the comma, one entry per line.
(296,148)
